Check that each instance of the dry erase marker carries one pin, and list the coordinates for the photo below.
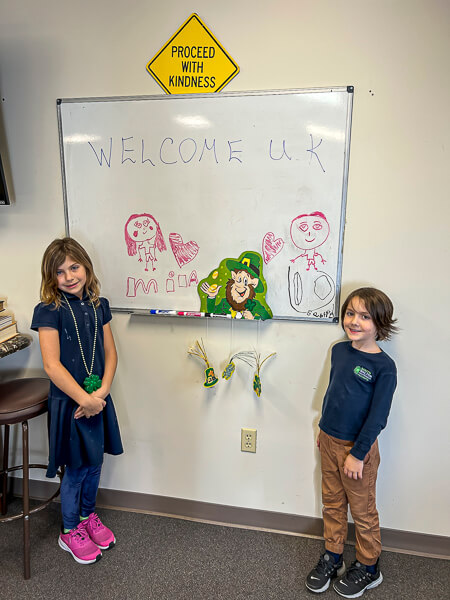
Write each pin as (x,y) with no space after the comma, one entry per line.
(157,311)
(187,313)
(220,316)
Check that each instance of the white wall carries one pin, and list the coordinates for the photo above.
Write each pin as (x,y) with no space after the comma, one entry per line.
(182,440)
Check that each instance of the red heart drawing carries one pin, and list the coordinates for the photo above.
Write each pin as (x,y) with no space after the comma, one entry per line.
(271,246)
(183,252)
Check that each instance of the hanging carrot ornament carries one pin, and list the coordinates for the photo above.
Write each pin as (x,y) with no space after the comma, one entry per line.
(199,350)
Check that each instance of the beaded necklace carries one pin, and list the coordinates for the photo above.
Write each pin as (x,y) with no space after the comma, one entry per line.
(92,382)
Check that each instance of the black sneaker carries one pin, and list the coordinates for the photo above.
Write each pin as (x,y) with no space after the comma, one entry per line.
(319,578)
(357,580)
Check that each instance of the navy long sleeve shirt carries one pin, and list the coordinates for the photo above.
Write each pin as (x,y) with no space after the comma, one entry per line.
(359,396)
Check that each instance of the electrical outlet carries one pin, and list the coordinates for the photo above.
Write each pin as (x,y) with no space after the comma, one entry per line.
(248,440)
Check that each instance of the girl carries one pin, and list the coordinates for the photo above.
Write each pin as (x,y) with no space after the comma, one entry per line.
(80,358)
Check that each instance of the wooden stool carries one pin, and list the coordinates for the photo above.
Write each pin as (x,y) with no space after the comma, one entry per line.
(21,400)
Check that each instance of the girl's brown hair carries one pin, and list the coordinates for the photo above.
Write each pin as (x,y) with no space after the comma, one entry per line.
(54,256)
(379,307)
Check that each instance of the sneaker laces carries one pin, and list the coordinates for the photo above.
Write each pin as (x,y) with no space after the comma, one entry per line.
(323,566)
(94,520)
(79,531)
(356,572)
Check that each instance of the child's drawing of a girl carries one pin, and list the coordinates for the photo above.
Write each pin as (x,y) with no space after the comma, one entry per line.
(143,234)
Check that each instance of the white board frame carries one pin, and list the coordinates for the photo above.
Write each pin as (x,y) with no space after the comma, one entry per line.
(315,316)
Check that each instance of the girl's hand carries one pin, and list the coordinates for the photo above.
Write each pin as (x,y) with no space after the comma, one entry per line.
(60,376)
(90,407)
(79,413)
(100,398)
(353,467)
(102,392)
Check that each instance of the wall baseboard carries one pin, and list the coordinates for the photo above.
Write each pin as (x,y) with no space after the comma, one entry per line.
(395,540)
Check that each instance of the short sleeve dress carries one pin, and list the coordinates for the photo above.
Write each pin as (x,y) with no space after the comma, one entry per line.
(78,442)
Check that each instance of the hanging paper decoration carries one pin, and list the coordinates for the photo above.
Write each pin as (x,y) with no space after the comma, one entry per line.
(236,287)
(252,358)
(257,385)
(229,370)
(231,367)
(199,350)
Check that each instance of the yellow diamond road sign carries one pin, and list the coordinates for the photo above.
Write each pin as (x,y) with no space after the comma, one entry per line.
(192,61)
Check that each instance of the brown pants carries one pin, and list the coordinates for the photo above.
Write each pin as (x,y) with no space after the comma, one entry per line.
(339,491)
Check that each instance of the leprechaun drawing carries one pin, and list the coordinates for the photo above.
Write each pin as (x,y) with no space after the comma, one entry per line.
(245,289)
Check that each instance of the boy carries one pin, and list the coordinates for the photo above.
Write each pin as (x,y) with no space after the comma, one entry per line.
(355,409)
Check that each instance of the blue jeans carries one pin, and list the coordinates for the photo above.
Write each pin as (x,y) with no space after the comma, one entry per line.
(78,494)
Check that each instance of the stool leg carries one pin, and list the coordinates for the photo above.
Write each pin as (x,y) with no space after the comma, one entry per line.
(26,502)
(5,466)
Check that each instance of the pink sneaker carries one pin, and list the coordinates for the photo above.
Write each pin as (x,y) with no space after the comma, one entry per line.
(80,546)
(99,533)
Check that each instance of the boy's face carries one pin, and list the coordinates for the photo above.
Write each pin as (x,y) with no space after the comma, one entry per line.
(359,325)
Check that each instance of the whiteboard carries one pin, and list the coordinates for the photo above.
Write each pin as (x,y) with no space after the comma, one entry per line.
(214,175)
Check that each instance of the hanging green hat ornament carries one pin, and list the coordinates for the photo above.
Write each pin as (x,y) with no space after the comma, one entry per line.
(92,382)
(199,350)
(210,377)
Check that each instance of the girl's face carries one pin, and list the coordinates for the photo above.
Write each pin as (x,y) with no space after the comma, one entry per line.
(359,326)
(71,277)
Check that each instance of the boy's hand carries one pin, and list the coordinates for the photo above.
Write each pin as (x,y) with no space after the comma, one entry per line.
(353,467)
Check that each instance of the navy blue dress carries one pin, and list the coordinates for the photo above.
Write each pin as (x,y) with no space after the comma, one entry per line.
(78,442)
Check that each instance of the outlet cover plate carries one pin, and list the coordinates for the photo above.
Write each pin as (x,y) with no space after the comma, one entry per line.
(248,440)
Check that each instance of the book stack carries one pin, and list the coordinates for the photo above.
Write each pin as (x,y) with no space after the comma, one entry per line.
(8,326)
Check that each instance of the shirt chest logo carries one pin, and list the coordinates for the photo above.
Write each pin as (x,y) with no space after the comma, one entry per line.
(363,373)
